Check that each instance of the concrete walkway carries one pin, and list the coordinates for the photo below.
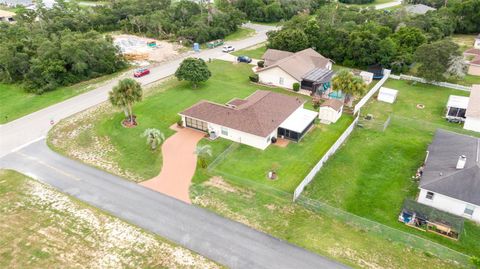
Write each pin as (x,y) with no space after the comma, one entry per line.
(179,164)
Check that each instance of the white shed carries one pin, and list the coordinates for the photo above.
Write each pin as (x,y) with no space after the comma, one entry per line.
(387,95)
(456,107)
(330,111)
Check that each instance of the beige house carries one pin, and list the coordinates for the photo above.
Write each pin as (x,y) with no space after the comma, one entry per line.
(473,57)
(308,68)
(7,16)
(472,115)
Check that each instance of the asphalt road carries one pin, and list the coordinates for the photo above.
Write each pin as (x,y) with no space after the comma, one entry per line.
(225,241)
(36,125)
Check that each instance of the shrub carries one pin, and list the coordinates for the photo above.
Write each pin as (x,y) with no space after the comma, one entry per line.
(180,123)
(296,86)
(261,64)
(253,78)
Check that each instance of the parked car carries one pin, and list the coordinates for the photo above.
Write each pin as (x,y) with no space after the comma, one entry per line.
(228,49)
(141,72)
(244,59)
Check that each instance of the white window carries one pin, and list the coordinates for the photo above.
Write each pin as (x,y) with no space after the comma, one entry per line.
(430,195)
(224,131)
(280,81)
(469,210)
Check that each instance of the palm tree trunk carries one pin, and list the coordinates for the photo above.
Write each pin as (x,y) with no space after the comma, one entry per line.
(130,112)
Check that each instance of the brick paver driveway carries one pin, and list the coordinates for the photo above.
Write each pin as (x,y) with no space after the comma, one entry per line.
(179,163)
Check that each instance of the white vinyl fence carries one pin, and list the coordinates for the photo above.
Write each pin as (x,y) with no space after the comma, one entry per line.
(325,157)
(441,84)
(364,100)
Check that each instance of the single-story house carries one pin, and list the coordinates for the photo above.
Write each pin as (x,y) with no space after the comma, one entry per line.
(451,175)
(472,115)
(7,16)
(476,45)
(456,107)
(419,9)
(330,111)
(257,120)
(308,68)
(473,58)
(387,95)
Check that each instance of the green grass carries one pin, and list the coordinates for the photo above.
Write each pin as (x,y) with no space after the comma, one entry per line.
(292,163)
(159,110)
(320,233)
(374,3)
(241,33)
(16,102)
(255,53)
(371,175)
(42,228)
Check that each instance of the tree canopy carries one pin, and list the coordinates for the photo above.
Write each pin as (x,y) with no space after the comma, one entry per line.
(124,95)
(349,84)
(194,70)
(434,59)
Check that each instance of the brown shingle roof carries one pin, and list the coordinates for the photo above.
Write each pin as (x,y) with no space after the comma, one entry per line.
(260,115)
(296,64)
(473,108)
(333,103)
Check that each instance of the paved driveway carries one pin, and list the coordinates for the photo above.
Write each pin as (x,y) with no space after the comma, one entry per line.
(179,164)
(225,241)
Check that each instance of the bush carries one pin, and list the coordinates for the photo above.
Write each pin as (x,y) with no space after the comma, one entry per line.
(180,123)
(253,78)
(261,64)
(296,86)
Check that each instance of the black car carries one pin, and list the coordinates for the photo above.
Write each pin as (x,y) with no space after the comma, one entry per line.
(244,59)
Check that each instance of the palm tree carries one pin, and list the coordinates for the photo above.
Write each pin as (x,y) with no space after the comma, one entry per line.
(202,153)
(125,94)
(349,84)
(154,137)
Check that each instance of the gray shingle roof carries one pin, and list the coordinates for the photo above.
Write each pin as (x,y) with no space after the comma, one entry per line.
(440,174)
(419,9)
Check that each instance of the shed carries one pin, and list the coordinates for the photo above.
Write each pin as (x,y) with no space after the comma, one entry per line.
(456,107)
(330,111)
(387,95)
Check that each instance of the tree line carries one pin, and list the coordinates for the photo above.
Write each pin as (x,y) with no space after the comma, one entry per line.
(361,37)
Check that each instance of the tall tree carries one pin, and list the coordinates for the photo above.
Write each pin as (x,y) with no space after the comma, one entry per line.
(154,137)
(349,84)
(457,66)
(434,59)
(194,70)
(125,94)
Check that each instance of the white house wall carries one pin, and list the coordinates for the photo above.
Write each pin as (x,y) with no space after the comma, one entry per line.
(242,137)
(448,204)
(472,124)
(272,77)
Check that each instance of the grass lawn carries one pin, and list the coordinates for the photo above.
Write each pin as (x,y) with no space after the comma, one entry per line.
(241,33)
(255,52)
(371,175)
(97,137)
(317,232)
(43,228)
(292,163)
(464,41)
(374,3)
(17,103)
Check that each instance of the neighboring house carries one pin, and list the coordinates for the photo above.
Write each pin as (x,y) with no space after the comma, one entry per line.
(451,176)
(330,111)
(308,68)
(473,58)
(456,107)
(7,16)
(419,9)
(472,120)
(256,121)
(476,45)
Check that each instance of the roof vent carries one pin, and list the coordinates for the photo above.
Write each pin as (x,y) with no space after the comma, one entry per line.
(461,162)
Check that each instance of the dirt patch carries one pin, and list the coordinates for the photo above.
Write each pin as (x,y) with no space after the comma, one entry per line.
(221,184)
(49,229)
(137,48)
